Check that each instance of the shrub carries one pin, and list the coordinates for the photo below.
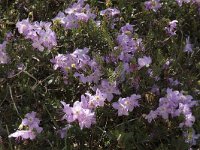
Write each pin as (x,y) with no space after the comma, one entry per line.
(99,75)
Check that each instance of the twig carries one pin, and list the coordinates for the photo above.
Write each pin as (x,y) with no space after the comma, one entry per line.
(13,101)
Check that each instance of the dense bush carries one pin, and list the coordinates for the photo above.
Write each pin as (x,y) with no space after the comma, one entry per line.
(108,74)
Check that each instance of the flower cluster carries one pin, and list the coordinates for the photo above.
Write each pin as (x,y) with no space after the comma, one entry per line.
(31,125)
(79,61)
(126,105)
(174,104)
(83,111)
(80,112)
(39,32)
(75,14)
(127,44)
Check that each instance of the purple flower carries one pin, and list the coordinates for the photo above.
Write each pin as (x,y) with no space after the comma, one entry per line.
(78,59)
(188,46)
(63,132)
(126,105)
(84,116)
(110,12)
(127,28)
(24,134)
(4,59)
(96,100)
(92,78)
(48,39)
(152,5)
(144,61)
(68,112)
(109,89)
(24,26)
(151,116)
(86,119)
(173,82)
(39,32)
(75,14)
(31,123)
(171,29)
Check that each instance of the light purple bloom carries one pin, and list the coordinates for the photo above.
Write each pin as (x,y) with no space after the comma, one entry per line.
(68,112)
(24,134)
(127,28)
(24,26)
(109,89)
(4,59)
(173,82)
(126,105)
(171,29)
(86,119)
(63,132)
(188,46)
(74,15)
(79,112)
(96,100)
(151,116)
(31,123)
(110,12)
(152,5)
(144,61)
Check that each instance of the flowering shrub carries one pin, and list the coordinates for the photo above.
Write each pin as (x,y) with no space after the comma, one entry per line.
(99,75)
